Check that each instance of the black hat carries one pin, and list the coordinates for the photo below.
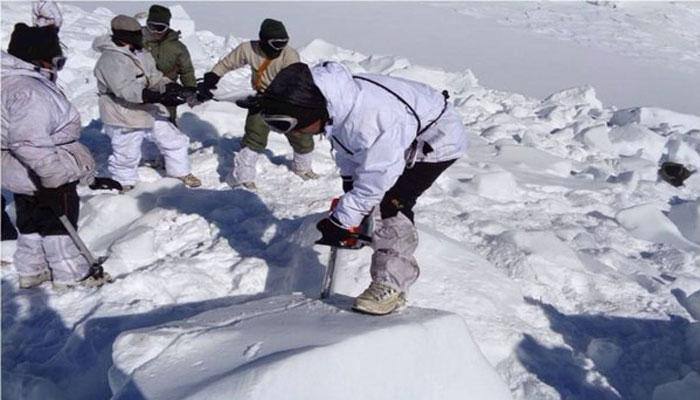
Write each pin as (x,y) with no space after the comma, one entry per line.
(30,43)
(294,93)
(272,29)
(159,14)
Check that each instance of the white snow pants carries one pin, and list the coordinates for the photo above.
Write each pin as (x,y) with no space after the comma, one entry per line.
(58,253)
(394,241)
(126,150)
(245,161)
(244,164)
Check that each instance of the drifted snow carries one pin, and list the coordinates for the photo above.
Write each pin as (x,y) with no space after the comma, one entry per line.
(573,266)
(295,347)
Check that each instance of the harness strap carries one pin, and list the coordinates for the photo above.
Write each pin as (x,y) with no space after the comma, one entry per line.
(413,150)
(257,85)
(420,130)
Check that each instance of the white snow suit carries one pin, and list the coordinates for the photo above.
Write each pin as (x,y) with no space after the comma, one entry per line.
(46,13)
(121,77)
(40,132)
(372,132)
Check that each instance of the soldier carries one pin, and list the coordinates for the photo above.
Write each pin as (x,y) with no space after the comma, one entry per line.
(171,55)
(130,91)
(392,139)
(266,57)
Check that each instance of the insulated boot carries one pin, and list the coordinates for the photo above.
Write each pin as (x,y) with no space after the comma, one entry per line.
(30,281)
(190,181)
(92,281)
(379,299)
(307,174)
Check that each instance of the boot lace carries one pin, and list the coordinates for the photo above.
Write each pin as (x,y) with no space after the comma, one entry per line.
(378,291)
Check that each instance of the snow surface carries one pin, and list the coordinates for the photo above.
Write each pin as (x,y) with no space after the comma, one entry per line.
(573,266)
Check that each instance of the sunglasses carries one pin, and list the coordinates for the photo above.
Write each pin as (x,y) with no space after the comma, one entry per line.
(280,123)
(58,62)
(157,27)
(278,44)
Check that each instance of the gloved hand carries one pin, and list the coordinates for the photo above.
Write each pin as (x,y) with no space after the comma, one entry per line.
(190,94)
(251,103)
(104,183)
(204,88)
(150,96)
(333,233)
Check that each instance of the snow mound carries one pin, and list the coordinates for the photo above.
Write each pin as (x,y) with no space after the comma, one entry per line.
(269,348)
(656,118)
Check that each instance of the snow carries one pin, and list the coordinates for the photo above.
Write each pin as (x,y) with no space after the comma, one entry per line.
(554,254)
(268,349)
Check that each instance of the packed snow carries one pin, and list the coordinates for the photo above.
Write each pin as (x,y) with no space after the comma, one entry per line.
(555,264)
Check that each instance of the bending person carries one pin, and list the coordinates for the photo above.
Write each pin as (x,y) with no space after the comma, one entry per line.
(392,138)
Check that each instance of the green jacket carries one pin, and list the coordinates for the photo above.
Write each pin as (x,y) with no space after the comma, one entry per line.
(172,57)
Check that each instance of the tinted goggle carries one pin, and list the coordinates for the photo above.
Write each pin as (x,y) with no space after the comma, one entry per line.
(280,123)
(277,44)
(157,27)
(58,62)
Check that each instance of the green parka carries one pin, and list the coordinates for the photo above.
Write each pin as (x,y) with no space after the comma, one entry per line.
(172,57)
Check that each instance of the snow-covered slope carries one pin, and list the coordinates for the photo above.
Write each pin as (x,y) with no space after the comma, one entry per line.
(573,266)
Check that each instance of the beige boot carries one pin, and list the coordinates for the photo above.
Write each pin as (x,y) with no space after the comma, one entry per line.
(92,281)
(30,281)
(190,181)
(379,299)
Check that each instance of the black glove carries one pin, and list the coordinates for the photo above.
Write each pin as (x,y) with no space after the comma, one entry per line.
(251,103)
(103,183)
(173,96)
(150,96)
(206,85)
(347,183)
(332,233)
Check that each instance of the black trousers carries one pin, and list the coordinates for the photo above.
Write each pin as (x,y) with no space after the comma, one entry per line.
(8,230)
(35,216)
(411,184)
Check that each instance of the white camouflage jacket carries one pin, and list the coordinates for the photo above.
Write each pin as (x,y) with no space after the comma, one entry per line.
(372,131)
(40,130)
(121,77)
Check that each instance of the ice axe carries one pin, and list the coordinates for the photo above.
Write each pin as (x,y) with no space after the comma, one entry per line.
(363,238)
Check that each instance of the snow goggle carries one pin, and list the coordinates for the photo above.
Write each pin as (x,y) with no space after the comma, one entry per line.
(277,44)
(280,123)
(58,62)
(157,27)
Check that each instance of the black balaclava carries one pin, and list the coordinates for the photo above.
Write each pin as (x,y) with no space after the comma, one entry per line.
(271,29)
(294,93)
(127,30)
(35,43)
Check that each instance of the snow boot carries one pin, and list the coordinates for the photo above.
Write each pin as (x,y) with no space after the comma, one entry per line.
(301,166)
(190,181)
(379,299)
(92,281)
(307,175)
(30,281)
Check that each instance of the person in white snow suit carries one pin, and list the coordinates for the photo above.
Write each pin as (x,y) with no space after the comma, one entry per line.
(42,160)
(132,93)
(391,138)
(266,57)
(46,13)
